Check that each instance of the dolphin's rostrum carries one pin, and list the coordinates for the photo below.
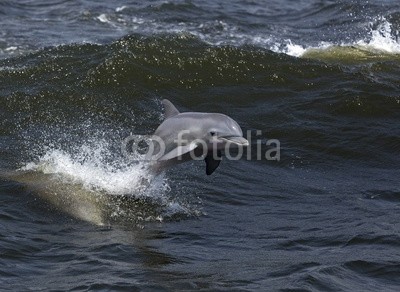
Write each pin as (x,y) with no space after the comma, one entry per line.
(193,135)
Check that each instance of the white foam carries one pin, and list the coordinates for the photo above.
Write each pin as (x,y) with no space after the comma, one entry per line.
(103,18)
(89,169)
(12,48)
(138,20)
(294,50)
(382,39)
(86,167)
(119,9)
(379,39)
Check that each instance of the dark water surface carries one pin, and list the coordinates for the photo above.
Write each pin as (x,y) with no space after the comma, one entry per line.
(78,77)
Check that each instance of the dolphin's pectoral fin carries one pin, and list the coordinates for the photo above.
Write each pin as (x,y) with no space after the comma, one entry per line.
(179,151)
(212,162)
(170,109)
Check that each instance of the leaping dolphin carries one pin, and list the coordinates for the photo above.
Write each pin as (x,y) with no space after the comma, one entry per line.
(193,135)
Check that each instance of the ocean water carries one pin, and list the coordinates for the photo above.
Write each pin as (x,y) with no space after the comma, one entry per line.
(79,77)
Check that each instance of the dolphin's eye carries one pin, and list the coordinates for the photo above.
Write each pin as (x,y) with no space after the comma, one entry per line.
(212,133)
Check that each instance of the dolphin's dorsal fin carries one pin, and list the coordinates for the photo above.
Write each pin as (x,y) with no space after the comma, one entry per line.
(170,109)
(212,163)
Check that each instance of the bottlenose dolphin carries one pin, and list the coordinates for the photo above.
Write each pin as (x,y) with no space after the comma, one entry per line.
(193,136)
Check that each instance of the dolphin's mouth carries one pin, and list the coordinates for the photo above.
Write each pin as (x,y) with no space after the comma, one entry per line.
(237,140)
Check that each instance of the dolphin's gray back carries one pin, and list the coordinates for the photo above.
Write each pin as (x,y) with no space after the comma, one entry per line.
(169,130)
